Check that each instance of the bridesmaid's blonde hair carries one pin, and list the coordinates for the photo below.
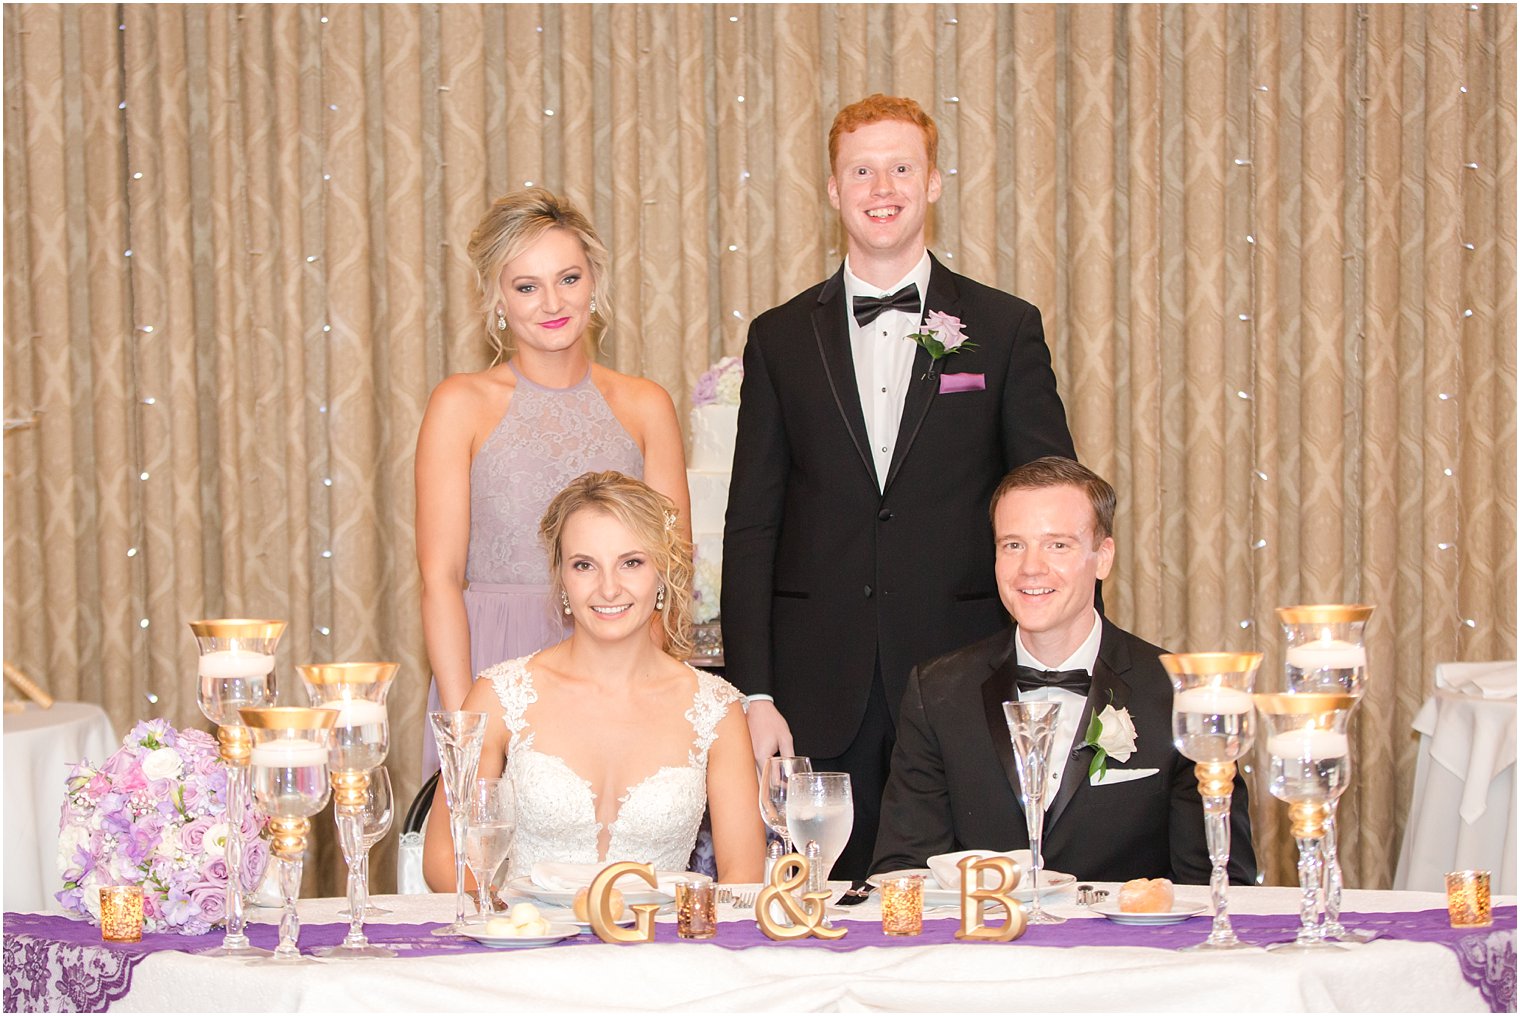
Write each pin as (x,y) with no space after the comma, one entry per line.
(652,518)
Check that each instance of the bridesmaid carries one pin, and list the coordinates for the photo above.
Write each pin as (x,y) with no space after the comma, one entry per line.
(497,445)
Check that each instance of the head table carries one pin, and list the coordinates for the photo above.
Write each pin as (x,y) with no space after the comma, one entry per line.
(1087,964)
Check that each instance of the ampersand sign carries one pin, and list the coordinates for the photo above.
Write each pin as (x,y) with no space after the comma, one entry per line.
(789,874)
(974,898)
(599,905)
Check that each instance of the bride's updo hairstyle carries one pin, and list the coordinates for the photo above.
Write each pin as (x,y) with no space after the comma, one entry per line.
(651,517)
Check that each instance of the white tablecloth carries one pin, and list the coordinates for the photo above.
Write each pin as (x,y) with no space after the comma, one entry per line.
(1383,975)
(1463,810)
(40,745)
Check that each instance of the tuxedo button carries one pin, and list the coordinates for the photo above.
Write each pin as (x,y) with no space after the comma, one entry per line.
(868,592)
(885,515)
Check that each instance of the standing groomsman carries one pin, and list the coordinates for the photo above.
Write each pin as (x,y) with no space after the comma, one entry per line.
(856,543)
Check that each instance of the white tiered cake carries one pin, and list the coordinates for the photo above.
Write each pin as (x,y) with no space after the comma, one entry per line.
(714,424)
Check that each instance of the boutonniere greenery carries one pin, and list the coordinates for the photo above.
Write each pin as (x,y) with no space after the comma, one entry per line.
(941,335)
(1110,733)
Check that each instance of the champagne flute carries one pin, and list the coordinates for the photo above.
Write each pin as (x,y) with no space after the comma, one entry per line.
(1032,728)
(459,736)
(379,811)
(820,808)
(778,769)
(489,835)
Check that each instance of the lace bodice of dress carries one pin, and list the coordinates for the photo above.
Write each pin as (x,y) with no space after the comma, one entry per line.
(657,817)
(546,438)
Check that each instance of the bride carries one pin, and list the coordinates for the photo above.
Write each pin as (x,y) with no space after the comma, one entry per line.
(613,746)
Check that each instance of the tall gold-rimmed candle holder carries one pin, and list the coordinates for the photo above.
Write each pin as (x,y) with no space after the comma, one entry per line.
(235,670)
(290,784)
(1214,724)
(1327,653)
(1310,768)
(355,693)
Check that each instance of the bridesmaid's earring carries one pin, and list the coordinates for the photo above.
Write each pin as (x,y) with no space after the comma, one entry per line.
(565,599)
(501,320)
(659,597)
(593,305)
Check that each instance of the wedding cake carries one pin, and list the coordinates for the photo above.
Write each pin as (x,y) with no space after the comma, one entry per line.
(714,425)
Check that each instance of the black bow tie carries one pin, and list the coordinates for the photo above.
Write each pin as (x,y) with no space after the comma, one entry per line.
(869,308)
(1030,679)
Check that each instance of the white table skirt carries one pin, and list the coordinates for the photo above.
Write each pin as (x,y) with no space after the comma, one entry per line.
(40,746)
(1384,975)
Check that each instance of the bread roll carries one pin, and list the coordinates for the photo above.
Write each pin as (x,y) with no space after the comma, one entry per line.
(583,910)
(1146,896)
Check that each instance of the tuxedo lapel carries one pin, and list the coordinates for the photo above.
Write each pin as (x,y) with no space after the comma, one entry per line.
(1108,688)
(924,384)
(833,335)
(999,687)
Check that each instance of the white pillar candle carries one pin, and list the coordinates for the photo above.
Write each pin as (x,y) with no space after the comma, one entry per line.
(1327,654)
(1212,700)
(1309,743)
(284,754)
(355,712)
(230,663)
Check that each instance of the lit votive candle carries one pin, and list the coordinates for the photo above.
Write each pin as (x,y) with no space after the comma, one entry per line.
(696,909)
(902,905)
(1327,654)
(121,913)
(1212,700)
(1309,743)
(1467,899)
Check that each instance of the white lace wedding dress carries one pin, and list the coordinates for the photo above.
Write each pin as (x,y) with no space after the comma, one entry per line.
(657,818)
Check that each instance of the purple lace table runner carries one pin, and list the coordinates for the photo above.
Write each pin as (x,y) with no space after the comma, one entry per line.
(57,964)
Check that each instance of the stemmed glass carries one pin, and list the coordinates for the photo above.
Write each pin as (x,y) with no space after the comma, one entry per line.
(235,669)
(489,837)
(821,808)
(290,784)
(1032,729)
(778,769)
(379,811)
(1310,768)
(1327,653)
(355,692)
(459,736)
(1214,724)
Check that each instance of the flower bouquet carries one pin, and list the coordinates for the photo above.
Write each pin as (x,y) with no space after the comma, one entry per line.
(155,815)
(719,384)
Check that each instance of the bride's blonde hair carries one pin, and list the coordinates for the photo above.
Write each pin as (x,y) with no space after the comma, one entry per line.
(652,518)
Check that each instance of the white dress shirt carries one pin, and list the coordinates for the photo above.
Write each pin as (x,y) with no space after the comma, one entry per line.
(884,359)
(1066,735)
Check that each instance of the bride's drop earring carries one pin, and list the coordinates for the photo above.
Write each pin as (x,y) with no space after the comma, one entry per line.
(565,599)
(659,598)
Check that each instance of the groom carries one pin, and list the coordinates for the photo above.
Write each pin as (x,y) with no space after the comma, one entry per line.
(856,539)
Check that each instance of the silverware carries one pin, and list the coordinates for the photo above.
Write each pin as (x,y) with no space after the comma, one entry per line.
(744,900)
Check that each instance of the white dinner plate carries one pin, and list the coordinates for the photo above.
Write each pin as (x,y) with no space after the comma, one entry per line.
(523,885)
(1050,882)
(1180,912)
(557,932)
(566,915)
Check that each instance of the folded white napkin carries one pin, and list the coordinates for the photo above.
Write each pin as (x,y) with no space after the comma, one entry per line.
(943,866)
(1485,680)
(569,877)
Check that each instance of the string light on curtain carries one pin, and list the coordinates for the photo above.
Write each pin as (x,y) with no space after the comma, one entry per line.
(1247,317)
(326,555)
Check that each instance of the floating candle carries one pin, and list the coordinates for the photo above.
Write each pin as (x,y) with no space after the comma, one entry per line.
(230,663)
(1327,654)
(1212,700)
(1309,743)
(355,712)
(285,754)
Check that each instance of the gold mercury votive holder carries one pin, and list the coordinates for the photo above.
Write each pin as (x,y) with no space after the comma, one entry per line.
(902,905)
(121,913)
(696,909)
(1467,899)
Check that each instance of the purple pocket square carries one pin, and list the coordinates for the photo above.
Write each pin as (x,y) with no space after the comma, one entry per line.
(950,383)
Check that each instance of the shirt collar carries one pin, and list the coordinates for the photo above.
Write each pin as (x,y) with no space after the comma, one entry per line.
(855,286)
(1085,657)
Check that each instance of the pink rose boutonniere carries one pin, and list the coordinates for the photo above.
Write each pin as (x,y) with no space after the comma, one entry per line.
(942,335)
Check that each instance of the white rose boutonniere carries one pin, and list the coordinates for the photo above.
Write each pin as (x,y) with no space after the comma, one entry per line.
(1111,732)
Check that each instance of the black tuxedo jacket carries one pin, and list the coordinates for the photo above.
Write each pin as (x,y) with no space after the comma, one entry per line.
(823,570)
(954,786)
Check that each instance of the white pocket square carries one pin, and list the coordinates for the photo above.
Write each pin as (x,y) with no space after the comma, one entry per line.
(1121,776)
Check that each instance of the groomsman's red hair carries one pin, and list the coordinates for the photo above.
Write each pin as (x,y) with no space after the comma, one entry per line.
(879,107)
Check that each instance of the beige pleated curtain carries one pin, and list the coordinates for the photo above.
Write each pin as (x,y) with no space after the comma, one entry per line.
(1274,247)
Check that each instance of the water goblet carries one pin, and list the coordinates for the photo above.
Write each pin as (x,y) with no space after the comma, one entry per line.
(235,669)
(489,836)
(1327,652)
(1214,724)
(459,736)
(1032,729)
(820,808)
(290,784)
(379,812)
(778,769)
(1310,768)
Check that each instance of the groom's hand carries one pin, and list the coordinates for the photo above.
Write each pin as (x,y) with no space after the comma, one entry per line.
(768,731)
